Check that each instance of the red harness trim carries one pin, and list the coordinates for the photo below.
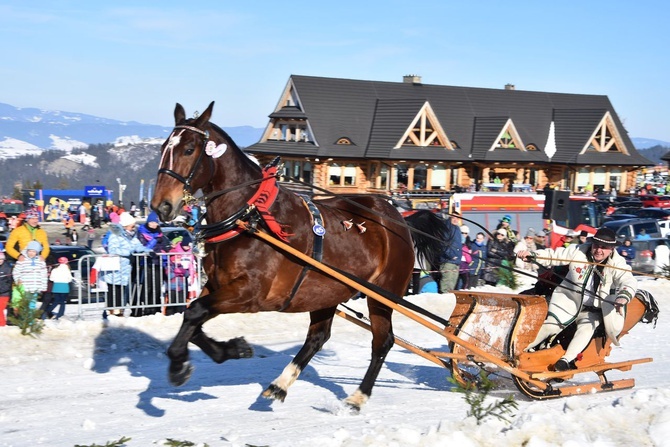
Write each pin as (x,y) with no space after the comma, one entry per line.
(262,200)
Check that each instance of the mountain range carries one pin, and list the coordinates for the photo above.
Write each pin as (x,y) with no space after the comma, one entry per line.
(68,150)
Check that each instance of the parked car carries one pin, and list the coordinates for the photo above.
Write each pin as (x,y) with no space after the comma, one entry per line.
(74,253)
(173,232)
(631,228)
(655,201)
(654,213)
(665,227)
(645,249)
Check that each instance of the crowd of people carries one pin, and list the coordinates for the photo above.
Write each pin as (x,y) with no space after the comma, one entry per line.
(147,261)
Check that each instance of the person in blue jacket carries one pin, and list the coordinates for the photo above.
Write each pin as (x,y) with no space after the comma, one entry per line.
(627,251)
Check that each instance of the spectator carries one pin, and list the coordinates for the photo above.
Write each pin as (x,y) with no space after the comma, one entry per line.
(478,253)
(5,287)
(505,224)
(179,272)
(61,277)
(463,281)
(498,250)
(74,237)
(583,237)
(22,235)
(642,235)
(30,276)
(627,251)
(148,291)
(121,242)
(528,244)
(450,260)
(90,236)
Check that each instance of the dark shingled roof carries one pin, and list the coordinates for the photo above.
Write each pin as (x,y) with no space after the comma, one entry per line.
(374,115)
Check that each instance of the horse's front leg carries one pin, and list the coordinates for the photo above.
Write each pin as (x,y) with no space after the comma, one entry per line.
(318,334)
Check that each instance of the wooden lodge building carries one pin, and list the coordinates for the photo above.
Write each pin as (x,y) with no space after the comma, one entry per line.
(368,136)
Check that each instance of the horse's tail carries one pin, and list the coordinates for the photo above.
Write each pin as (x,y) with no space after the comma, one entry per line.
(429,240)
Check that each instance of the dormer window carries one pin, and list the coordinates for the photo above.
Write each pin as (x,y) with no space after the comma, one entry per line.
(344,140)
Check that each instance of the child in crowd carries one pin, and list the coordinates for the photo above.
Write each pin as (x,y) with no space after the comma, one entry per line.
(30,274)
(61,276)
(5,287)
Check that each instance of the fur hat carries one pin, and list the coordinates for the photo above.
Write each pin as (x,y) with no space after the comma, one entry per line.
(502,232)
(465,229)
(126,219)
(606,237)
(34,245)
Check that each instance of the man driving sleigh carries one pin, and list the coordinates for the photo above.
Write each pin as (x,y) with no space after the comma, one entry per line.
(595,291)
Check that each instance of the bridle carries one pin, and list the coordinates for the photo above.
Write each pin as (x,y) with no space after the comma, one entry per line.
(173,141)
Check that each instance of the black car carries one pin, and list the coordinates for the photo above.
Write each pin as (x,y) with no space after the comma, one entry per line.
(654,213)
(74,253)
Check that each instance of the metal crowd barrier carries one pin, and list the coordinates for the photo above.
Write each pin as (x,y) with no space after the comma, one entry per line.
(140,284)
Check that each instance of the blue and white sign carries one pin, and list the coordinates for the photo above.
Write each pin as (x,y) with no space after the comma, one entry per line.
(94,191)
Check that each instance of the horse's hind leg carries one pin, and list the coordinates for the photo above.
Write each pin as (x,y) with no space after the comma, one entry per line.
(382,342)
(318,334)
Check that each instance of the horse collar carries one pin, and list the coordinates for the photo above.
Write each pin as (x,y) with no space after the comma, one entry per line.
(259,204)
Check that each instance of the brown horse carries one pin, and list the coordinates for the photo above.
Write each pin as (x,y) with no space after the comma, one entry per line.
(364,236)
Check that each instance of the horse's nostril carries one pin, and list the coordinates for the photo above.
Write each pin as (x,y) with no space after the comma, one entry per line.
(164,210)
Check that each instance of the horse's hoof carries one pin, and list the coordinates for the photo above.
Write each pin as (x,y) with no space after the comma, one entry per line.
(274,392)
(240,349)
(178,378)
(356,401)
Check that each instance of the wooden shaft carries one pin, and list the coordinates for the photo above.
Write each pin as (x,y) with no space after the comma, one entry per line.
(409,314)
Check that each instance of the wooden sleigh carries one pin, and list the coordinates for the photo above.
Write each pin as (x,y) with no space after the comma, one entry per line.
(472,340)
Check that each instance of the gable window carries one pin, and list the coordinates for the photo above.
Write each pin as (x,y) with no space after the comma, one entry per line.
(343,140)
(424,131)
(509,138)
(606,138)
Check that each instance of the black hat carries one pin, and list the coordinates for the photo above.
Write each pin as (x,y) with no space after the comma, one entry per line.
(606,237)
(584,233)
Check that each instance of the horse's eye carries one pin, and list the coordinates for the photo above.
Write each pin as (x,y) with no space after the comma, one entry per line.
(189,149)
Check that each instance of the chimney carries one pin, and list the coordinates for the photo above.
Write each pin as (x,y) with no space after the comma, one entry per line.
(510,87)
(411,79)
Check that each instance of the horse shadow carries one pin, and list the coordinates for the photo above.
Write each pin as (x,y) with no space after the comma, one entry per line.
(136,350)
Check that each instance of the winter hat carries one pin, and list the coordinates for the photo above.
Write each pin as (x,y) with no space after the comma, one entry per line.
(34,245)
(153,217)
(465,229)
(177,240)
(32,214)
(605,237)
(63,260)
(506,218)
(126,219)
(502,232)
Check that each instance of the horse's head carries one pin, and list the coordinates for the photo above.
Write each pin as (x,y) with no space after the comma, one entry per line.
(186,162)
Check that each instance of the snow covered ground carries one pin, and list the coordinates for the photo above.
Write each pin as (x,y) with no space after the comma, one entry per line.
(80,383)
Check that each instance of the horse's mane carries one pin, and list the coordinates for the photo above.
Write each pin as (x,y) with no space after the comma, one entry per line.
(429,248)
(233,145)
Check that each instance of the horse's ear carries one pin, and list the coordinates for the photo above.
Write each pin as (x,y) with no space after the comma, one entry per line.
(179,114)
(206,115)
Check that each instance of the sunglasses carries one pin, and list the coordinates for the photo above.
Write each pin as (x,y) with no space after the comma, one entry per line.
(602,247)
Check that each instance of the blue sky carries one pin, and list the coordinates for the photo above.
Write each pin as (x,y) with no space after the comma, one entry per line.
(133,60)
